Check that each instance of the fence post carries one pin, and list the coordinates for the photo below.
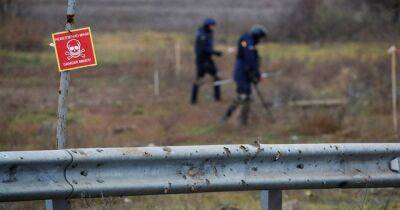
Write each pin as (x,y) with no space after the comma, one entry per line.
(178,58)
(156,83)
(393,53)
(271,200)
(63,204)
(394,92)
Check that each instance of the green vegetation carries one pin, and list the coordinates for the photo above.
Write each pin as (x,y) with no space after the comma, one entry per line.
(201,131)
(315,53)
(37,117)
(130,47)
(18,59)
(33,117)
(138,110)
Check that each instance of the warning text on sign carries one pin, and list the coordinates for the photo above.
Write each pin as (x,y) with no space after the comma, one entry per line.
(74,49)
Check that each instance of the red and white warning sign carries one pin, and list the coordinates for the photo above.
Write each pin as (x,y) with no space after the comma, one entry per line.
(74,49)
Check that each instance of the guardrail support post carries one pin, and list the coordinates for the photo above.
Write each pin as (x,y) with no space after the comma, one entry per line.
(58,205)
(271,200)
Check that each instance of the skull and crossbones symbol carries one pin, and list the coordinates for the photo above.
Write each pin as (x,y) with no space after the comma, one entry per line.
(74,49)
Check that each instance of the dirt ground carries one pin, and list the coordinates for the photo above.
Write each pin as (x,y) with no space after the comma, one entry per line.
(113,105)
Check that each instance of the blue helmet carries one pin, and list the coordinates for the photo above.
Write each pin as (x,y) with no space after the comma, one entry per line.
(259,31)
(209,22)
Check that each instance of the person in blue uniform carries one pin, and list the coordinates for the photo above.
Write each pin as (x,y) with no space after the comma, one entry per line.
(246,71)
(204,50)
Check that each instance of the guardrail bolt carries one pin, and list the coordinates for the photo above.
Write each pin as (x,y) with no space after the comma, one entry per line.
(395,165)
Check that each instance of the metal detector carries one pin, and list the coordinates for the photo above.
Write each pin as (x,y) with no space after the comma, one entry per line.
(264,103)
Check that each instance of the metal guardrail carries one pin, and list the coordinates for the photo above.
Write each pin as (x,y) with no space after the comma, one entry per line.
(77,173)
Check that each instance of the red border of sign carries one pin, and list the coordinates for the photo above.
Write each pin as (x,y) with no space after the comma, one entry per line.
(74,68)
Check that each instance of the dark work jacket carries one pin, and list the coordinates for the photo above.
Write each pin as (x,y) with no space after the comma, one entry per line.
(247,61)
(204,46)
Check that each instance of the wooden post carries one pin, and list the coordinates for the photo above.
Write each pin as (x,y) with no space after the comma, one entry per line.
(156,83)
(62,110)
(178,64)
(392,50)
(63,204)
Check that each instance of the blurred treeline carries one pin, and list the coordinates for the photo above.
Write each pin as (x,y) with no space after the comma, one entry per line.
(304,21)
(19,29)
(339,20)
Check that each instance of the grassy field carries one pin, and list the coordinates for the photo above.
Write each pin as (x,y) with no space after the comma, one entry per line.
(113,105)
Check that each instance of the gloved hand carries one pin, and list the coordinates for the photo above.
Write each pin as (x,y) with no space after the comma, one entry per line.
(255,80)
(218,53)
(255,77)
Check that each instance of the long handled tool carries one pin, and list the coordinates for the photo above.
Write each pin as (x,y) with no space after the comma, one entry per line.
(264,103)
(227,81)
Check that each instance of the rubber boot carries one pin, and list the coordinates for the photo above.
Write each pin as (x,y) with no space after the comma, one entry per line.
(244,114)
(229,112)
(217,93)
(195,91)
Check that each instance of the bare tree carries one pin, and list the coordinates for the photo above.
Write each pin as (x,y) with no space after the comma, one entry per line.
(18,30)
(382,6)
